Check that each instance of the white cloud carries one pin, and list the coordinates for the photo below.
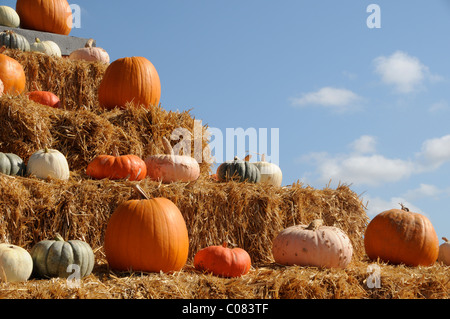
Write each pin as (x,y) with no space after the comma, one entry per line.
(406,73)
(435,152)
(338,99)
(365,144)
(424,190)
(378,205)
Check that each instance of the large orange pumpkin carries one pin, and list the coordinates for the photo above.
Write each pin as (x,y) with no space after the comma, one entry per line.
(53,16)
(223,261)
(146,235)
(12,74)
(114,167)
(399,236)
(130,80)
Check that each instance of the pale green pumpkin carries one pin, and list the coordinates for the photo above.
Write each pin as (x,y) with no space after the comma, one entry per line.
(9,17)
(47,47)
(52,258)
(11,164)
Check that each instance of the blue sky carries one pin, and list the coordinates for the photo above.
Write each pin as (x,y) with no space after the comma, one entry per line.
(368,107)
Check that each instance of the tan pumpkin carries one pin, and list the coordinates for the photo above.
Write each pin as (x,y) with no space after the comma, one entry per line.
(16,264)
(444,252)
(169,168)
(9,17)
(313,245)
(48,163)
(90,53)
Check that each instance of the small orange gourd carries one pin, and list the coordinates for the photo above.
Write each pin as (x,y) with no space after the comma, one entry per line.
(223,261)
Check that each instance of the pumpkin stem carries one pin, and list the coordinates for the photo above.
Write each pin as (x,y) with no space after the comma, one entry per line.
(89,43)
(263,158)
(316,223)
(2,49)
(224,244)
(37,40)
(406,209)
(141,192)
(58,237)
(248,158)
(168,150)
(445,239)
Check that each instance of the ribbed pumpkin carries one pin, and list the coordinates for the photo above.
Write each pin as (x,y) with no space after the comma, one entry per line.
(48,162)
(45,98)
(12,40)
(146,235)
(16,264)
(54,16)
(223,261)
(47,47)
(239,170)
(444,252)
(12,164)
(270,173)
(399,236)
(115,167)
(51,258)
(129,80)
(168,167)
(90,53)
(12,74)
(9,17)
(313,245)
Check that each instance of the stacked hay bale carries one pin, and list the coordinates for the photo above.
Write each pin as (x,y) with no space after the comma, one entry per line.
(245,215)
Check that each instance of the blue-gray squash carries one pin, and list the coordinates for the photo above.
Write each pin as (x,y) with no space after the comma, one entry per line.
(12,40)
(12,164)
(238,170)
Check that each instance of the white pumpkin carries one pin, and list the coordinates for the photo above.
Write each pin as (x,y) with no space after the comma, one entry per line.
(16,264)
(2,88)
(270,173)
(9,17)
(47,47)
(90,53)
(48,163)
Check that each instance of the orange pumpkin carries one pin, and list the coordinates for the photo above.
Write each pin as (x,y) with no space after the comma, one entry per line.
(129,167)
(223,261)
(169,168)
(146,235)
(45,98)
(399,236)
(53,16)
(130,80)
(12,74)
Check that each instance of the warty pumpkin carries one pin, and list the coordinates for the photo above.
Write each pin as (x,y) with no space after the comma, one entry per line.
(115,167)
(16,264)
(12,164)
(90,53)
(130,80)
(12,40)
(223,261)
(169,168)
(239,170)
(444,252)
(399,236)
(54,16)
(314,245)
(12,74)
(147,234)
(51,258)
(9,17)
(48,162)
